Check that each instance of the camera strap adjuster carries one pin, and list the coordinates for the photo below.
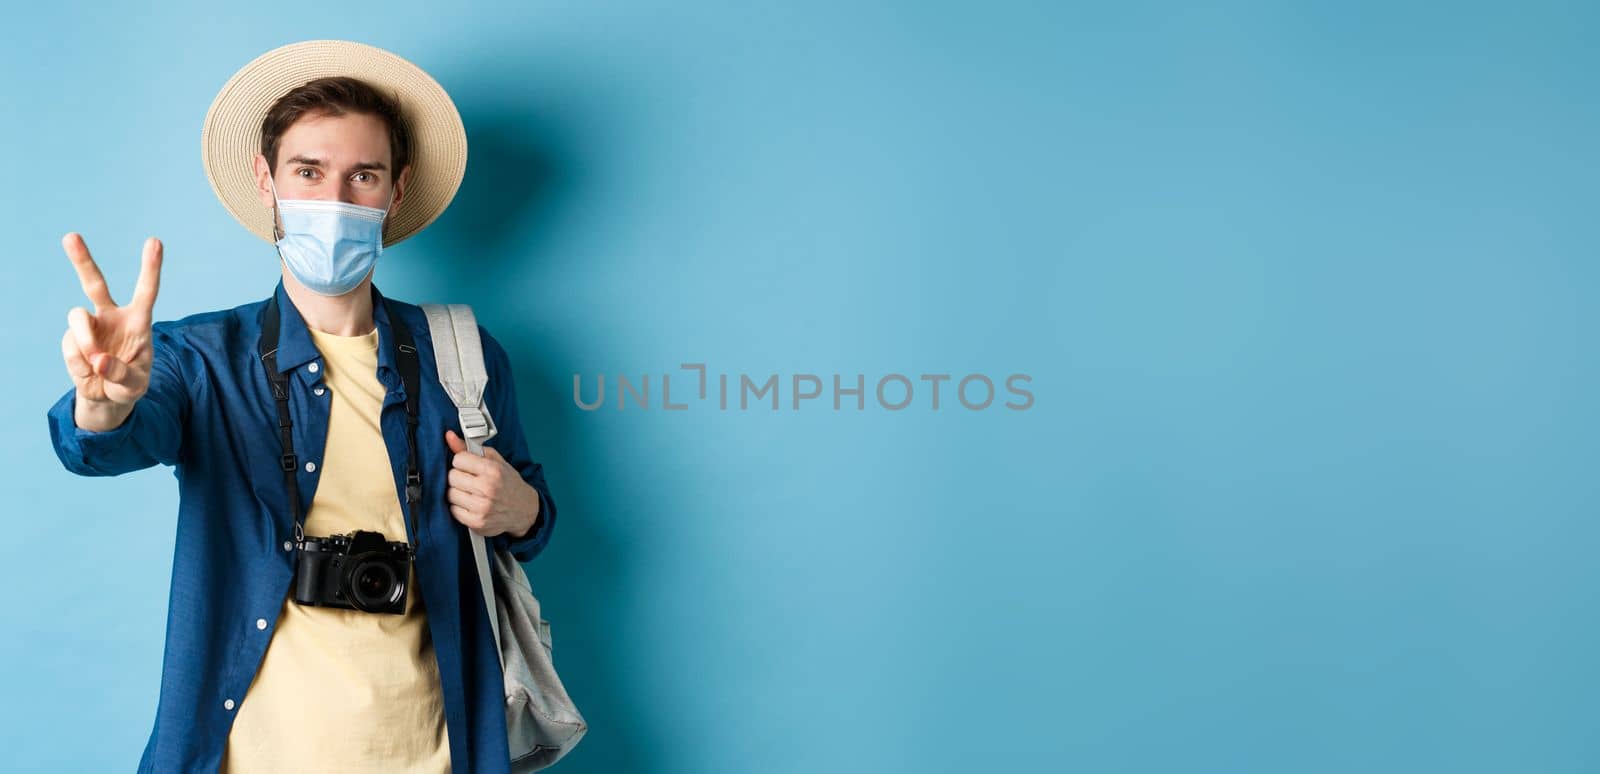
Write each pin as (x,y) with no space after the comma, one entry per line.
(287,462)
(413,487)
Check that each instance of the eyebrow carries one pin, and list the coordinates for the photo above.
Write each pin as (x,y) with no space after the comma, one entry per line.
(357,167)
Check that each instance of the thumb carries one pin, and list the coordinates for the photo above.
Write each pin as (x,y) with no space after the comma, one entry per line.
(110,368)
(454,441)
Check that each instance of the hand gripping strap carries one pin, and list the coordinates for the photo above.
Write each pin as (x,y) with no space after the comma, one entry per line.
(459,354)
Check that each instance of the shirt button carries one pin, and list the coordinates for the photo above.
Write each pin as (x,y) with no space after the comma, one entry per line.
(318,390)
(261,623)
(311,467)
(228,704)
(288,546)
(312,368)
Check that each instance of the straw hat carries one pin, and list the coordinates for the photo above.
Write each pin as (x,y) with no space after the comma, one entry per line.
(232,134)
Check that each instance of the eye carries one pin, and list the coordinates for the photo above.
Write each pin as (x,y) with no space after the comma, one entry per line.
(302,170)
(367,175)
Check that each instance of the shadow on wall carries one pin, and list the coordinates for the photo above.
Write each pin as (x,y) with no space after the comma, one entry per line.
(520,179)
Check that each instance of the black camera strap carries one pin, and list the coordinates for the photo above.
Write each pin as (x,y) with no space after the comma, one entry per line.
(410,375)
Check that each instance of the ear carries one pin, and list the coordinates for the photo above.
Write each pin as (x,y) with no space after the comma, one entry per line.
(263,175)
(400,186)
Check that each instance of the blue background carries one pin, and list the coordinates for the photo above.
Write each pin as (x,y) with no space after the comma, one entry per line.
(1305,292)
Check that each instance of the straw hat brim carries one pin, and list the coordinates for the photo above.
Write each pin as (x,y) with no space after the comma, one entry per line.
(231,137)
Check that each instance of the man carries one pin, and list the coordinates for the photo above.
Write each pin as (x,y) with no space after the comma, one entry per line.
(330,150)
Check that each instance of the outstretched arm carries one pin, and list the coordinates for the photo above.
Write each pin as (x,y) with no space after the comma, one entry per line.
(129,400)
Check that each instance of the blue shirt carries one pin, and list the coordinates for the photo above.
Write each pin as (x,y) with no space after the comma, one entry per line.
(209,413)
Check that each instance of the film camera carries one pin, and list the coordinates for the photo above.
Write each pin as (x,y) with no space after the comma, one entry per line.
(359,571)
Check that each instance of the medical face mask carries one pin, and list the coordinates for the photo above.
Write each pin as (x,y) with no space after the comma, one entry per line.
(329,246)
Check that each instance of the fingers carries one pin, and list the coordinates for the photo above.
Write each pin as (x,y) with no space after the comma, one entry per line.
(472,521)
(81,326)
(82,365)
(144,294)
(94,283)
(77,364)
(461,479)
(476,464)
(472,502)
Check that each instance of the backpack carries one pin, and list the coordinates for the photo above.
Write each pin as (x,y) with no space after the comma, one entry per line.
(542,724)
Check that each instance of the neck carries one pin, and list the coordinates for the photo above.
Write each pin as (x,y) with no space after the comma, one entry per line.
(346,315)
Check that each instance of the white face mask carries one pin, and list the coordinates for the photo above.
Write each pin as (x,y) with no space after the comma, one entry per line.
(329,246)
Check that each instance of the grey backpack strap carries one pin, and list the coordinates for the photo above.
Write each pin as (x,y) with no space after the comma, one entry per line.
(459,354)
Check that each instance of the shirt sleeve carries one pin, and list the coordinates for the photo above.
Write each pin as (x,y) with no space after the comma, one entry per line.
(509,440)
(152,433)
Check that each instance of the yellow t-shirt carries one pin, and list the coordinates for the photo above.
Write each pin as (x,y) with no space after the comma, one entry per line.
(345,690)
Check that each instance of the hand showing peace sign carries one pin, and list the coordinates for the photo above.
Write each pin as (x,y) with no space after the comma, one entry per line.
(108,352)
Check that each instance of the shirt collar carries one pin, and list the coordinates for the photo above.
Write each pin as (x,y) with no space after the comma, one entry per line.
(295,347)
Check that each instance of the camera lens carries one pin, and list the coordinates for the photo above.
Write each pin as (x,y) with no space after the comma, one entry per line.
(373,580)
(373,584)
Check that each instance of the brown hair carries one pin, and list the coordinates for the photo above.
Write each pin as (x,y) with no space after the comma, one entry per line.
(335,96)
